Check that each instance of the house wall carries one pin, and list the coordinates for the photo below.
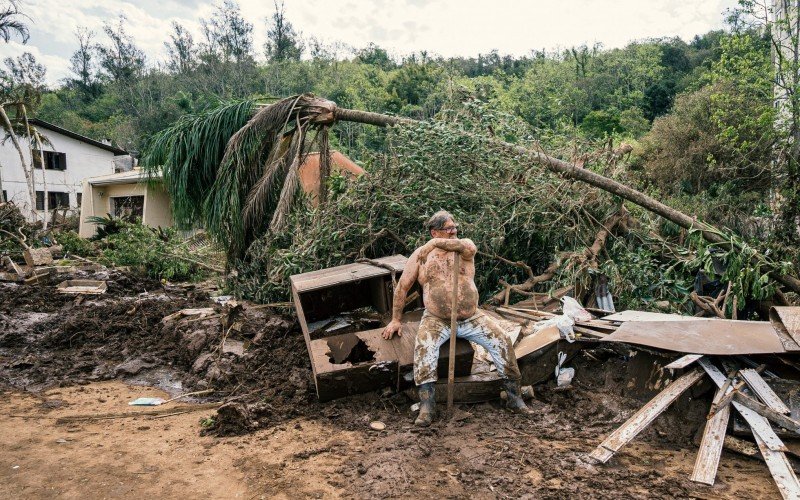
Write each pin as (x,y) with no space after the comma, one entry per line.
(83,160)
(157,212)
(97,202)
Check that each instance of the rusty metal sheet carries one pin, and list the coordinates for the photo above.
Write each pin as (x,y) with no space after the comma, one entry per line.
(646,316)
(715,337)
(786,321)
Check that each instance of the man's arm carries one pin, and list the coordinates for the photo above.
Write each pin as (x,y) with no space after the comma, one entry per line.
(404,284)
(465,247)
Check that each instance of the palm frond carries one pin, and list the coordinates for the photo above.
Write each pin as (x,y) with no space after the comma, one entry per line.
(188,156)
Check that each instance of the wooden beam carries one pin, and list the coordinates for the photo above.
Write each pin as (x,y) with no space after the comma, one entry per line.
(764,391)
(768,413)
(757,423)
(684,361)
(707,462)
(642,418)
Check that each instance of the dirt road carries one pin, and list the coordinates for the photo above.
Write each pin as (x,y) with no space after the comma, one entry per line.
(492,454)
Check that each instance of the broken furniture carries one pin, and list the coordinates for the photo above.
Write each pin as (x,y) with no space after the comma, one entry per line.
(91,287)
(342,312)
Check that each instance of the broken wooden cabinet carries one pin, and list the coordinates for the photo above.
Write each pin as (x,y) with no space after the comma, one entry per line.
(342,312)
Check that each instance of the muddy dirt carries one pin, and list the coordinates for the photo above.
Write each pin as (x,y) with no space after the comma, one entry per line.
(60,355)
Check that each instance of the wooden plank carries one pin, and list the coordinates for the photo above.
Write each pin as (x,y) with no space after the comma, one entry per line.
(684,361)
(707,462)
(764,391)
(342,274)
(780,469)
(757,423)
(786,320)
(536,341)
(642,418)
(767,412)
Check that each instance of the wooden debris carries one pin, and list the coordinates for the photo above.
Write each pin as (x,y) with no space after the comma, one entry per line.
(642,418)
(764,391)
(91,287)
(684,361)
(707,462)
(757,423)
(767,412)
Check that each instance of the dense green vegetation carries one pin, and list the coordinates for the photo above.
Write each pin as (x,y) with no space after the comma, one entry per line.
(698,115)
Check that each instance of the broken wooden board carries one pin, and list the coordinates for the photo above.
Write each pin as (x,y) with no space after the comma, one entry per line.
(325,278)
(780,469)
(763,390)
(702,336)
(757,423)
(642,418)
(475,388)
(355,363)
(89,287)
(707,462)
(539,340)
(766,412)
(683,361)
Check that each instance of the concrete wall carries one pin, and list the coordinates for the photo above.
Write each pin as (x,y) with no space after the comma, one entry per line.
(83,160)
(97,201)
(157,212)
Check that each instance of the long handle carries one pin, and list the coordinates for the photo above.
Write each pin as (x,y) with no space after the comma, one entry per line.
(451,369)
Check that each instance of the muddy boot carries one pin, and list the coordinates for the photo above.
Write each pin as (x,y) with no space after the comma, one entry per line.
(427,404)
(514,401)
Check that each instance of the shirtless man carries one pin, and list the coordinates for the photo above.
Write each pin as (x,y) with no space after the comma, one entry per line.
(432,265)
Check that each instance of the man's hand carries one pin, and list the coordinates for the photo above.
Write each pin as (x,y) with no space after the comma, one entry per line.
(392,328)
(424,250)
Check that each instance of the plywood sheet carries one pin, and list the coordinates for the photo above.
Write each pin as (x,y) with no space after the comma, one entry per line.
(715,337)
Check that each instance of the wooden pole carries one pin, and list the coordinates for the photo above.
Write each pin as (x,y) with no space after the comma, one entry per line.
(451,368)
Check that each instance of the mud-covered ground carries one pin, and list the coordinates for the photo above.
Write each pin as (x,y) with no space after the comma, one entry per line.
(60,355)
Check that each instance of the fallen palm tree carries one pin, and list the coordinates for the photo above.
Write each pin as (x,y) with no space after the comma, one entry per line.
(256,173)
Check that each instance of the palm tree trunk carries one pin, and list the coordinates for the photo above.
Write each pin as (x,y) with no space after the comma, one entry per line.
(571,171)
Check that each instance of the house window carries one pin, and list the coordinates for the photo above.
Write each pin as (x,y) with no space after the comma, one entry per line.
(5,196)
(52,160)
(79,199)
(130,207)
(55,199)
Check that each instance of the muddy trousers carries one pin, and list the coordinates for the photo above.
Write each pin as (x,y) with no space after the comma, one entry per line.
(480,329)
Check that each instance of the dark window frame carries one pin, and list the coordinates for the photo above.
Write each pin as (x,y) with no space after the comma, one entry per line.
(53,160)
(55,199)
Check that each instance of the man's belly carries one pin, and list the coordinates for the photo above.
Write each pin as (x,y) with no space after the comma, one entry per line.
(438,298)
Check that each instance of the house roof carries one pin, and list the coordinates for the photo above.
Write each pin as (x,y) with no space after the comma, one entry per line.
(132,176)
(79,137)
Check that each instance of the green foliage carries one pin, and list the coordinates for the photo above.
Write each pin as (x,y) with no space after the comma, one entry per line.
(506,207)
(158,253)
(75,245)
(188,156)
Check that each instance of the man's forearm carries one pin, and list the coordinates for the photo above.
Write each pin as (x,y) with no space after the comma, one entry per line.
(399,302)
(452,245)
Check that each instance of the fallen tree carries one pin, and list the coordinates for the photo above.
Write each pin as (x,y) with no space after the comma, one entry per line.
(257,174)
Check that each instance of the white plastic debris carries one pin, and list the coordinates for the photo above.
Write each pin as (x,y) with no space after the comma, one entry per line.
(574,309)
(563,375)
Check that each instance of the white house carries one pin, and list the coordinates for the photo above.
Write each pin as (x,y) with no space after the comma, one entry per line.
(69,158)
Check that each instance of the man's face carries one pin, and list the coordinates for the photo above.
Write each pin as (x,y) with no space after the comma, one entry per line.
(448,230)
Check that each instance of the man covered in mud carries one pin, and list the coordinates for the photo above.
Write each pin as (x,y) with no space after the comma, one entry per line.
(432,265)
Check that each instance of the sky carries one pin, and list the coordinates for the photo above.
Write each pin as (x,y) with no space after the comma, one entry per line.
(441,27)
